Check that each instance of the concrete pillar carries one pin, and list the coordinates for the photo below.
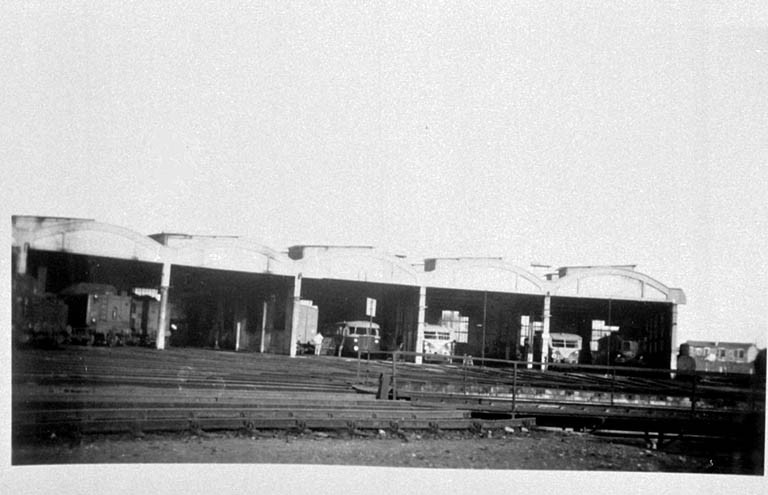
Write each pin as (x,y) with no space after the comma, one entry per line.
(421,322)
(529,334)
(545,330)
(164,319)
(264,308)
(241,322)
(673,338)
(21,261)
(485,324)
(295,309)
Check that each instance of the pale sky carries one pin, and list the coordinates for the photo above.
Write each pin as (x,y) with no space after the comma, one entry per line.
(582,133)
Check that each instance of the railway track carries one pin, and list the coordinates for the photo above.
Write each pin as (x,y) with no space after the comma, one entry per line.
(101,390)
(596,399)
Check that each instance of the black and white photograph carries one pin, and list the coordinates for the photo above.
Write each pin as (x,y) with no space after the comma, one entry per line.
(433,247)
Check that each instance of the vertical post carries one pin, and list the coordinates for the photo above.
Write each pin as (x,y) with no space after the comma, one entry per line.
(673,338)
(395,357)
(514,387)
(485,314)
(21,261)
(529,337)
(264,308)
(610,331)
(237,337)
(421,323)
(370,336)
(295,314)
(162,324)
(464,378)
(545,331)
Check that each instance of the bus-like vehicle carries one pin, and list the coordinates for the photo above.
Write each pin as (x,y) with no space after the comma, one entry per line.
(438,342)
(565,347)
(350,337)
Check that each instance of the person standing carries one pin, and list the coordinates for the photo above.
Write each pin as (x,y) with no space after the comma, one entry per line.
(318,341)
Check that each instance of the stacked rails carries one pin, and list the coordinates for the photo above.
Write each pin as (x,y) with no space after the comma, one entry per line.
(105,390)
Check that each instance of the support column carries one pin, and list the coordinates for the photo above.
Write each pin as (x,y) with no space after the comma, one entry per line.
(264,308)
(485,323)
(545,331)
(241,325)
(295,315)
(421,323)
(21,261)
(529,336)
(673,338)
(164,319)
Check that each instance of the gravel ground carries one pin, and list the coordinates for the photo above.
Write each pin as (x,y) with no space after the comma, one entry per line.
(529,450)
(530,462)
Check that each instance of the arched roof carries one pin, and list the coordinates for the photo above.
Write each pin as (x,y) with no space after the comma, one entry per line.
(225,253)
(354,263)
(484,274)
(614,283)
(91,238)
(87,237)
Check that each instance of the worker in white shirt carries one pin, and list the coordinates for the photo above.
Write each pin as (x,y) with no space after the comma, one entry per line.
(318,341)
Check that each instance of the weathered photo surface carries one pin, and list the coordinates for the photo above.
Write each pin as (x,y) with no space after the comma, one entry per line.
(442,245)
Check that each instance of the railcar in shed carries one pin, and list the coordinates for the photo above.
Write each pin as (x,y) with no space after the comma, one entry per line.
(616,350)
(564,347)
(352,337)
(438,342)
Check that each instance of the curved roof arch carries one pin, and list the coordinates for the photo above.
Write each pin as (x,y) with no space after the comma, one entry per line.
(485,274)
(226,253)
(615,283)
(353,263)
(89,237)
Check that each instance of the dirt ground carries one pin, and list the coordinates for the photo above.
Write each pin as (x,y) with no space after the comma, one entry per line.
(529,450)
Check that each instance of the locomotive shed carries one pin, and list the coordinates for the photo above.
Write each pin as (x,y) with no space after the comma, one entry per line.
(245,301)
(233,293)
